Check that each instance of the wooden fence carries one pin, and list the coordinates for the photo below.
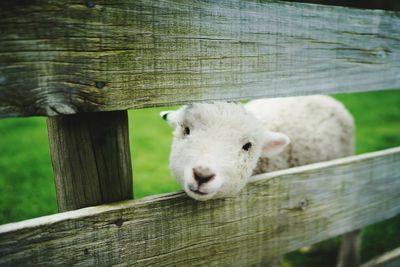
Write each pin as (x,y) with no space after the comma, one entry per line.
(74,57)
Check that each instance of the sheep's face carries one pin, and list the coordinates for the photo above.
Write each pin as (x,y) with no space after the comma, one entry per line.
(216,148)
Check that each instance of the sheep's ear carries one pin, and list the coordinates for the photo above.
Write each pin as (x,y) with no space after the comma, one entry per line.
(171,117)
(274,143)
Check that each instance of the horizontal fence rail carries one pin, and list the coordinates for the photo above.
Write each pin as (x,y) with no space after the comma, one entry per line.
(64,57)
(388,259)
(277,213)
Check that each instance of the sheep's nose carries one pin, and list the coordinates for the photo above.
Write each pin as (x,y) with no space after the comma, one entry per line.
(202,175)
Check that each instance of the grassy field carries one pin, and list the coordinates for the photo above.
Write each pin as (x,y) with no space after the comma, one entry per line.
(27,188)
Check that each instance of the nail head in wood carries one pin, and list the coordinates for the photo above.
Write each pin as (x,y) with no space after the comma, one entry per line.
(100,85)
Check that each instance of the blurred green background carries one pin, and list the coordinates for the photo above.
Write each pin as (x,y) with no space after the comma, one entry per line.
(27,188)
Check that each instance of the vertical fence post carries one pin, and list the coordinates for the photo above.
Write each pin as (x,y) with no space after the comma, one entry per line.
(91,158)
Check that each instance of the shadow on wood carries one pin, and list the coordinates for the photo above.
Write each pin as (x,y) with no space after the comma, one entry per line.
(91,159)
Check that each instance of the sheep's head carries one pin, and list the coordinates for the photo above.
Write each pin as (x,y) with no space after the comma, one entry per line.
(216,147)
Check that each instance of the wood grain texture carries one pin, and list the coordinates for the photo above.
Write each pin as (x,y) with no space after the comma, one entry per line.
(63,57)
(91,158)
(276,213)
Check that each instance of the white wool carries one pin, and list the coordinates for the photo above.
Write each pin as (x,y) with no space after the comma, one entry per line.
(212,137)
(320,128)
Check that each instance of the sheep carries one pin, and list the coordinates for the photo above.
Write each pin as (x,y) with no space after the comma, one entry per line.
(218,146)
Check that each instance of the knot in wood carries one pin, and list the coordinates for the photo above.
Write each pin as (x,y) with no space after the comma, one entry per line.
(381,54)
(303,204)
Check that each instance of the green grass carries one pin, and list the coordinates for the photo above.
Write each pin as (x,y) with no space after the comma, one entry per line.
(26,179)
(150,139)
(26,183)
(377,116)
(27,188)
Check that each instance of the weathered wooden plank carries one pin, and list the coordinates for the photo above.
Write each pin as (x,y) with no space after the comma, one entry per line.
(91,158)
(277,213)
(389,259)
(62,57)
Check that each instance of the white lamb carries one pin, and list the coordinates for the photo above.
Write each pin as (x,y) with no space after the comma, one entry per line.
(217,146)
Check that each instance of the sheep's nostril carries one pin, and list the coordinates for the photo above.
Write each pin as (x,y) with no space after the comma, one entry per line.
(202,175)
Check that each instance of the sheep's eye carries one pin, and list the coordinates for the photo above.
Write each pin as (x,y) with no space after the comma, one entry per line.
(246,146)
(186,130)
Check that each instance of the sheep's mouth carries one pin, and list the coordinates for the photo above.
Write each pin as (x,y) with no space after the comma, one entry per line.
(198,192)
